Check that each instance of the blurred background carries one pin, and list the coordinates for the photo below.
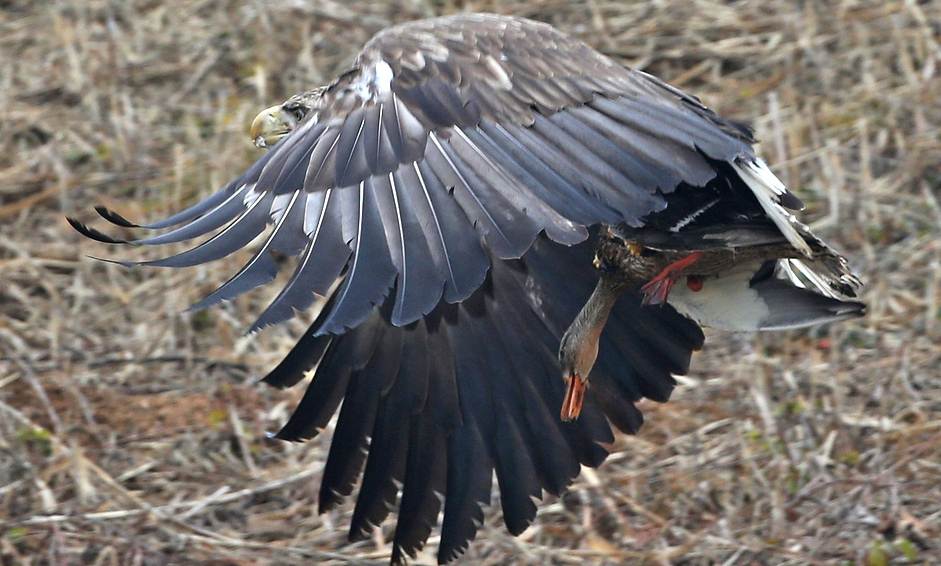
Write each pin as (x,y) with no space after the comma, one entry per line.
(131,433)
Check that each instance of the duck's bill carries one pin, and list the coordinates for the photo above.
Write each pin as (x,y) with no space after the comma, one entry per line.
(574,398)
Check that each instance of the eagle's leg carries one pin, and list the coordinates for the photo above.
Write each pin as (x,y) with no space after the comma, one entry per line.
(657,289)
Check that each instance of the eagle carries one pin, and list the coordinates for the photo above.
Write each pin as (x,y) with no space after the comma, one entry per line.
(487,211)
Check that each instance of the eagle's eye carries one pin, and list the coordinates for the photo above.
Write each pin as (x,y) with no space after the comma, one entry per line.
(295,110)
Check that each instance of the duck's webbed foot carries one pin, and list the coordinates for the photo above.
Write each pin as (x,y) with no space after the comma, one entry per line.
(657,290)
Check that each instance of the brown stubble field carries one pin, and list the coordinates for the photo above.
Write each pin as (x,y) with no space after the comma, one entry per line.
(131,433)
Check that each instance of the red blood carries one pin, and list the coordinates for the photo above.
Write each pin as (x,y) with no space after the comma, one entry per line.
(694,282)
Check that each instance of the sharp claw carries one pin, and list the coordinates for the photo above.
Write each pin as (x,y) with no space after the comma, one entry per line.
(657,290)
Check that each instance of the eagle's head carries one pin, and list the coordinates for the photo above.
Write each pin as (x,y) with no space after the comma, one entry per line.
(275,122)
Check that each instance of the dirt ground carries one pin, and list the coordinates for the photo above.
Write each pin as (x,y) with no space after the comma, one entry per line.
(131,433)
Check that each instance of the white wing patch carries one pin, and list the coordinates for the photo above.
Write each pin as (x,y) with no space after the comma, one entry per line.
(685,221)
(498,77)
(251,195)
(382,78)
(768,190)
(280,205)
(374,81)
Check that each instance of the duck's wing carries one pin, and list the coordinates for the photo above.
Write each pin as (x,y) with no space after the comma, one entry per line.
(709,237)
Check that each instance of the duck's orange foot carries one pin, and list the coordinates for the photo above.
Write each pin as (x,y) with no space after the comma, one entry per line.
(657,290)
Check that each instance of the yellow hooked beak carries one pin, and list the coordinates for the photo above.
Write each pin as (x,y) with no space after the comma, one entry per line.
(271,125)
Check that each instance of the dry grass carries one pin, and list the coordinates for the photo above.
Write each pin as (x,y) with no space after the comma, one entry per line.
(131,433)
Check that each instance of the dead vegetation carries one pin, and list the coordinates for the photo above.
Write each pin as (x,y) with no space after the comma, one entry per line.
(132,433)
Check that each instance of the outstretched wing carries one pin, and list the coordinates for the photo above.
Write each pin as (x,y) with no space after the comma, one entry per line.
(450,140)
(434,408)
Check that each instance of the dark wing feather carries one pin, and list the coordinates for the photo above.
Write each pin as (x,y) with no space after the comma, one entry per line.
(291,176)
(371,271)
(462,258)
(425,477)
(262,268)
(357,418)
(548,188)
(199,209)
(218,215)
(389,447)
(324,258)
(323,396)
(249,224)
(506,231)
